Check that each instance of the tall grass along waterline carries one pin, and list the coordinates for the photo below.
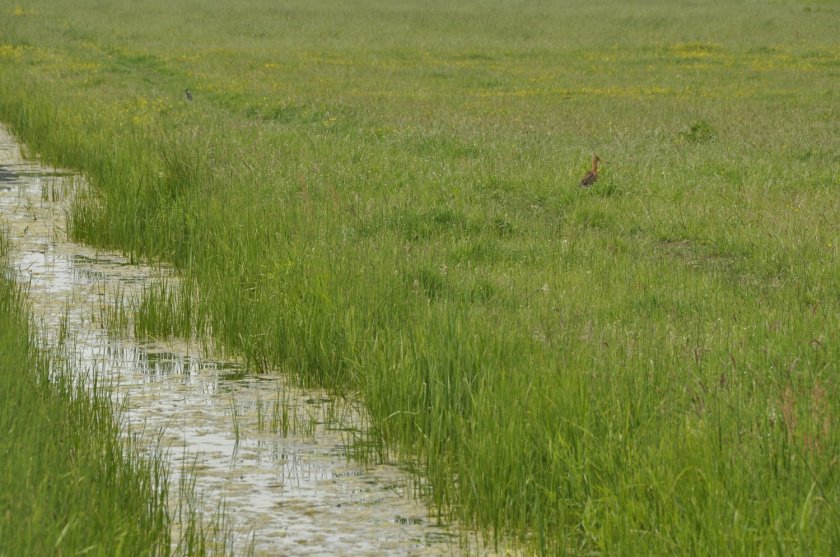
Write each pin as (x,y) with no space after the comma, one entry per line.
(381,198)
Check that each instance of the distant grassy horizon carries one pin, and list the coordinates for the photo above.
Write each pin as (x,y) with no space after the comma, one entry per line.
(381,198)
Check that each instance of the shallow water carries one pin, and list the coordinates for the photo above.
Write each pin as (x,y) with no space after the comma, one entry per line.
(288,493)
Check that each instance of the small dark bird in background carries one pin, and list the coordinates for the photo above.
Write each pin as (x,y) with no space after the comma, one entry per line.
(592,175)
(188,95)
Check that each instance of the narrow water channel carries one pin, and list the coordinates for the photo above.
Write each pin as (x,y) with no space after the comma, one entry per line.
(286,482)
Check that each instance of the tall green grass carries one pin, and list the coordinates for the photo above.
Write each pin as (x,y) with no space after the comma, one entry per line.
(382,198)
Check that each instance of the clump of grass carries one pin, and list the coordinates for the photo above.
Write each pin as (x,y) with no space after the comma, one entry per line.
(284,416)
(165,310)
(115,317)
(700,131)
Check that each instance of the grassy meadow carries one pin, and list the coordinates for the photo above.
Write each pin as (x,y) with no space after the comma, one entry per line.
(382,198)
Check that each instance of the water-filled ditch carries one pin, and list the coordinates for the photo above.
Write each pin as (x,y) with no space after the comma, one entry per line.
(275,454)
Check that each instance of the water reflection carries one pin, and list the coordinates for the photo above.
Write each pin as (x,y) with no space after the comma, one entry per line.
(6,175)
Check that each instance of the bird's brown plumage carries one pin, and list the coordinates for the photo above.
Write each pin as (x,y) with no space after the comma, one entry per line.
(592,175)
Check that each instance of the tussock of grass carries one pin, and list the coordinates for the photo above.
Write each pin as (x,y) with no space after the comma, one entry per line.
(392,209)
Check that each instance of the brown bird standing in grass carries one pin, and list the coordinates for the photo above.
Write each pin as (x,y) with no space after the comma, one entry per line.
(592,175)
(188,95)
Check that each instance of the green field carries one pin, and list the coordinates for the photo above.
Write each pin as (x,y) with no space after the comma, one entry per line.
(382,198)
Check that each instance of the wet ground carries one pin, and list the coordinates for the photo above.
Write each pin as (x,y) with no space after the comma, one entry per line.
(284,476)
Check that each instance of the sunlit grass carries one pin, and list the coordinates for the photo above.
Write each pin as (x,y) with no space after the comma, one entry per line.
(382,198)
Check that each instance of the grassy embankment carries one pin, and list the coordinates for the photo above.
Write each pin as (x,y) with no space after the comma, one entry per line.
(69,483)
(383,198)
